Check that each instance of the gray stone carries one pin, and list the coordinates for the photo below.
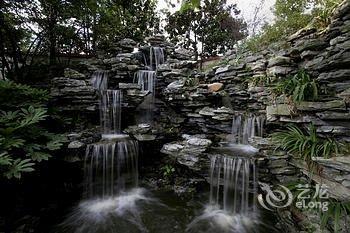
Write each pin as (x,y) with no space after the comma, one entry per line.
(279,110)
(129,86)
(223,69)
(321,106)
(76,145)
(199,142)
(279,70)
(206,111)
(339,130)
(145,137)
(338,75)
(279,61)
(334,115)
(176,85)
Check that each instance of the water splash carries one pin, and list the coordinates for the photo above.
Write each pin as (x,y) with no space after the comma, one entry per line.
(214,219)
(120,213)
(232,202)
(246,127)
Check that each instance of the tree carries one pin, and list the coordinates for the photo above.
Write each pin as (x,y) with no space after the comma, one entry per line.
(52,27)
(208,29)
(291,16)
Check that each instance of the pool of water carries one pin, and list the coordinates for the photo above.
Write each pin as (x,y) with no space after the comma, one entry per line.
(142,210)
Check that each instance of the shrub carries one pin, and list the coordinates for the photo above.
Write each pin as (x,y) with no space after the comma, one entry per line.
(306,145)
(300,87)
(23,140)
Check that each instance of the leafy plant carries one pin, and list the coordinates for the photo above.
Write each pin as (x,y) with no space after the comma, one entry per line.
(300,87)
(168,171)
(23,140)
(336,210)
(306,145)
(191,81)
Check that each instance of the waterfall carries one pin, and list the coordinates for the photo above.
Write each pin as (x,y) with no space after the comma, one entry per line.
(110,111)
(99,80)
(246,127)
(157,57)
(111,167)
(233,184)
(146,79)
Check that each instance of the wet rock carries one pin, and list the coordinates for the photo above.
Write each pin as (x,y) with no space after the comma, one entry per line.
(76,145)
(189,152)
(129,86)
(145,137)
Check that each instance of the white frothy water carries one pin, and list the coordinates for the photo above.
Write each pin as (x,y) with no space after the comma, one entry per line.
(111,167)
(214,219)
(232,203)
(110,214)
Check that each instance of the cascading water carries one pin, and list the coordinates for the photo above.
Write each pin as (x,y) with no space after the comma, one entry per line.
(146,79)
(111,167)
(111,174)
(233,184)
(110,111)
(246,127)
(110,104)
(99,80)
(232,203)
(157,57)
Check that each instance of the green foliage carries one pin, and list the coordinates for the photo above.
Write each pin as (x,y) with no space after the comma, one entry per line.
(260,81)
(323,12)
(19,95)
(306,145)
(291,16)
(23,141)
(53,27)
(191,81)
(168,171)
(300,87)
(190,5)
(336,211)
(213,25)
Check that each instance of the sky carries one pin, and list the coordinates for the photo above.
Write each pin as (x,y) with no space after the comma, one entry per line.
(247,8)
